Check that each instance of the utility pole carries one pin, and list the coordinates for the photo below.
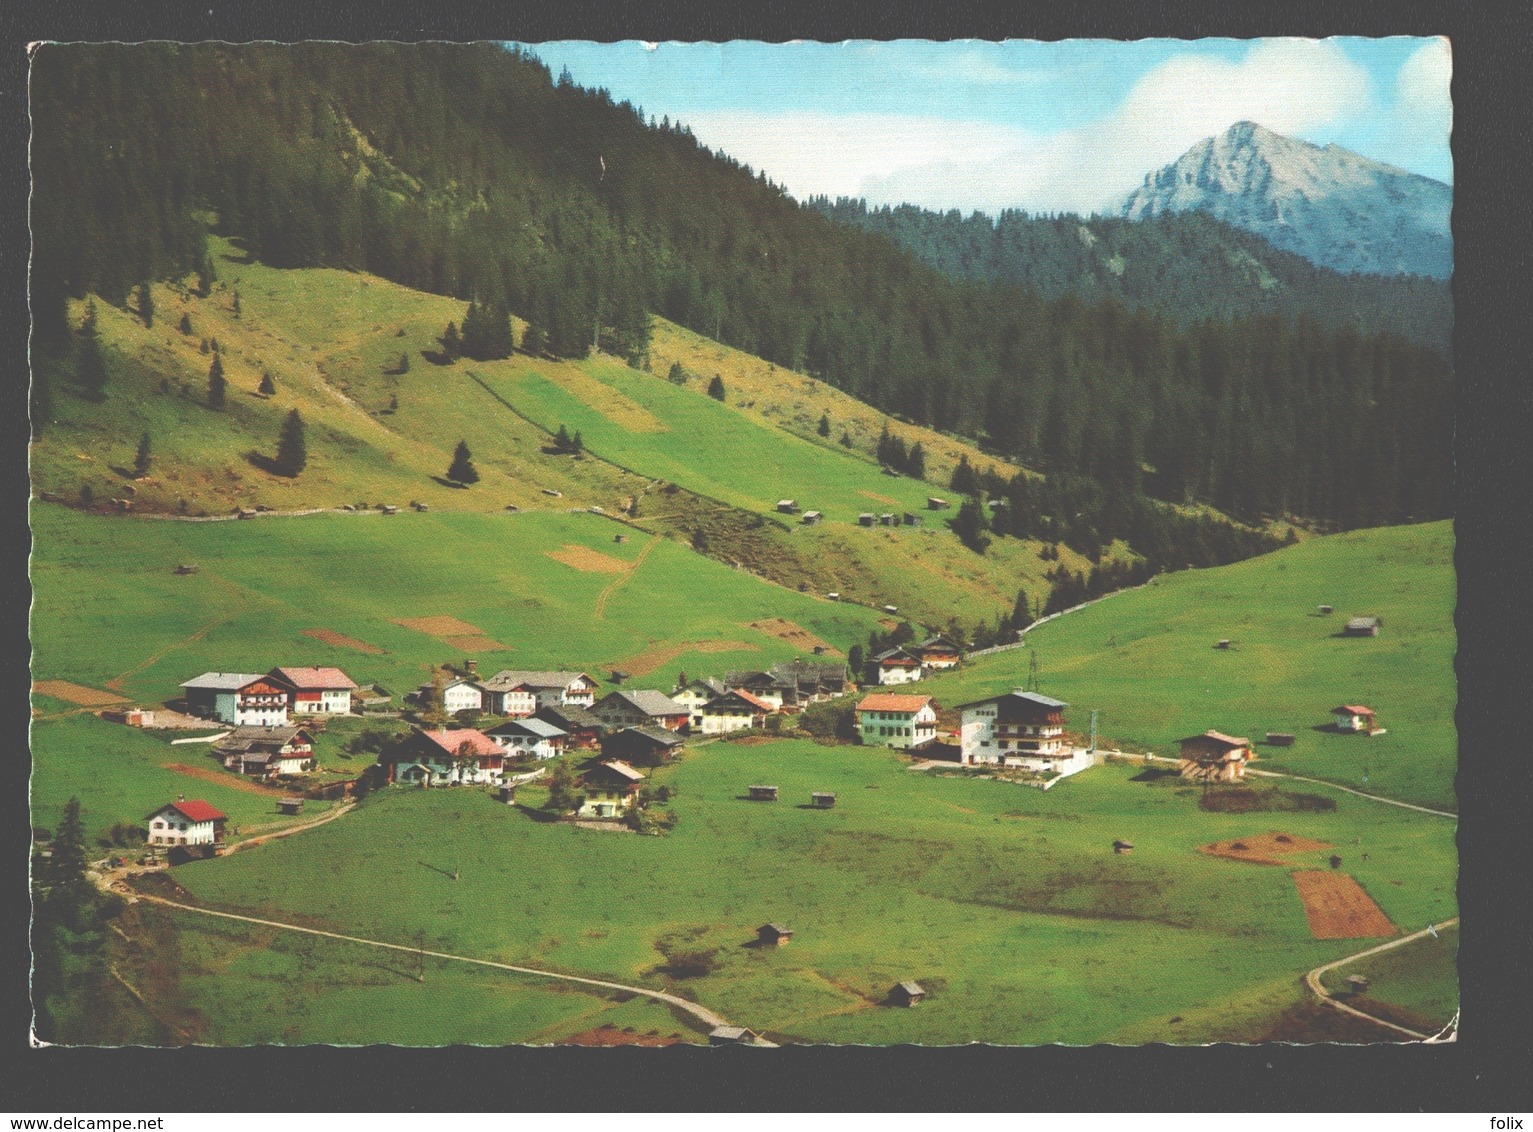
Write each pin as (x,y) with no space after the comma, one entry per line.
(420,956)
(1032,670)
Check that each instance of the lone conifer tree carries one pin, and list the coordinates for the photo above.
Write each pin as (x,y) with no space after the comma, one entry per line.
(218,385)
(716,388)
(91,372)
(146,304)
(268,386)
(292,449)
(462,470)
(142,458)
(824,429)
(452,345)
(186,324)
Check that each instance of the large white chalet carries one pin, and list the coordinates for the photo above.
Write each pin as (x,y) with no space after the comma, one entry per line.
(1020,729)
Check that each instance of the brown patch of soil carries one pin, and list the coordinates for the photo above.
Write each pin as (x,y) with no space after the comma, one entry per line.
(785,630)
(879,498)
(341,640)
(588,561)
(224,778)
(1262,848)
(610,1035)
(451,631)
(1337,907)
(642,664)
(76,693)
(753,740)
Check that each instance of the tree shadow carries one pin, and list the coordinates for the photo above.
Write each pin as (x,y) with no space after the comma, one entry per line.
(543,817)
(445,482)
(433,868)
(438,357)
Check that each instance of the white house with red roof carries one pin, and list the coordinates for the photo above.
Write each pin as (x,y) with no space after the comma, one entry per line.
(735,710)
(1354,717)
(316,691)
(186,823)
(892,719)
(454,757)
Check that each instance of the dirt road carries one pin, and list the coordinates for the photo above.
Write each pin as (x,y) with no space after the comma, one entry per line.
(1313,979)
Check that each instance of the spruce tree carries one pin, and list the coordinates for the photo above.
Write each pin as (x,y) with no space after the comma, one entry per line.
(186,325)
(64,871)
(462,470)
(142,457)
(915,462)
(292,448)
(534,341)
(562,439)
(964,480)
(146,304)
(969,525)
(577,442)
(218,385)
(824,429)
(716,388)
(236,304)
(91,371)
(268,386)
(677,376)
(404,364)
(452,345)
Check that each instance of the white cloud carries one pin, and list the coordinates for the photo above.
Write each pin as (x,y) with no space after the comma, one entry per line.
(1292,86)
(1422,116)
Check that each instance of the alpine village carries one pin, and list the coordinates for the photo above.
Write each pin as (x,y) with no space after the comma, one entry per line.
(479,520)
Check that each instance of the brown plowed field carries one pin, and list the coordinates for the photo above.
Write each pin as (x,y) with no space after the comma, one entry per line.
(76,693)
(223,778)
(341,640)
(460,635)
(642,664)
(589,561)
(1262,848)
(785,630)
(1337,907)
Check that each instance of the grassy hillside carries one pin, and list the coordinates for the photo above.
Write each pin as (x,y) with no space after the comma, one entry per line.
(1146,659)
(1006,903)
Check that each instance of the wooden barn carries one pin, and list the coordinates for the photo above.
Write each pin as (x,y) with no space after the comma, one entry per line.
(822,801)
(1215,757)
(773,935)
(1362,627)
(907,993)
(1355,718)
(762,793)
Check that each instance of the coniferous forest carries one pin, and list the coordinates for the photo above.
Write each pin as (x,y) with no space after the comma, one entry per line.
(470,171)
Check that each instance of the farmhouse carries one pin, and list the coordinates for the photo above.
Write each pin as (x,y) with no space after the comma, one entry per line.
(897,666)
(262,752)
(582,730)
(551,689)
(693,694)
(892,720)
(458,694)
(506,695)
(447,758)
(764,686)
(641,708)
(1354,717)
(733,711)
(642,745)
(1362,627)
(811,680)
(239,698)
(938,652)
(186,823)
(1021,729)
(529,737)
(316,691)
(611,787)
(1215,757)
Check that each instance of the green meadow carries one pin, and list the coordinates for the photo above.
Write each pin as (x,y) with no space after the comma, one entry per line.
(1146,660)
(109,606)
(1006,903)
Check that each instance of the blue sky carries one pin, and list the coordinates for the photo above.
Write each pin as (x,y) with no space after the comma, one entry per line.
(1067,126)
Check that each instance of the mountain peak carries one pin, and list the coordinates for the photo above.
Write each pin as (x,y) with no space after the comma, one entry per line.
(1335,207)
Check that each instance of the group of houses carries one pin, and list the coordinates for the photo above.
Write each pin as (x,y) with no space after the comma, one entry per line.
(250,700)
(905,664)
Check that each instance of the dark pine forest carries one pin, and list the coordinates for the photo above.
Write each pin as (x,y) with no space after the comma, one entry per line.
(470,171)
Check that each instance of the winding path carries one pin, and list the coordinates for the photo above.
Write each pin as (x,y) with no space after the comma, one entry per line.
(1313,979)
(599,609)
(701,1013)
(1314,782)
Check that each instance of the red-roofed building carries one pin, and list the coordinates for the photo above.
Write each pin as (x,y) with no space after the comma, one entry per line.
(890,719)
(1354,717)
(316,691)
(186,823)
(735,710)
(447,758)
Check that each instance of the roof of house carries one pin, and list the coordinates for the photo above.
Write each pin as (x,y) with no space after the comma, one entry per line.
(731,1033)
(894,654)
(776,929)
(620,768)
(223,681)
(1362,622)
(455,682)
(911,988)
(514,678)
(453,741)
(939,641)
(651,702)
(196,810)
(573,715)
(749,676)
(1218,738)
(540,728)
(1018,699)
(821,671)
(739,694)
(326,679)
(711,683)
(663,738)
(894,701)
(1351,709)
(241,738)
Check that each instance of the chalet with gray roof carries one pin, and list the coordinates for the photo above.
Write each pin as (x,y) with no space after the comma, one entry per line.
(529,736)
(811,680)
(582,730)
(641,707)
(518,692)
(694,693)
(241,698)
(641,746)
(265,752)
